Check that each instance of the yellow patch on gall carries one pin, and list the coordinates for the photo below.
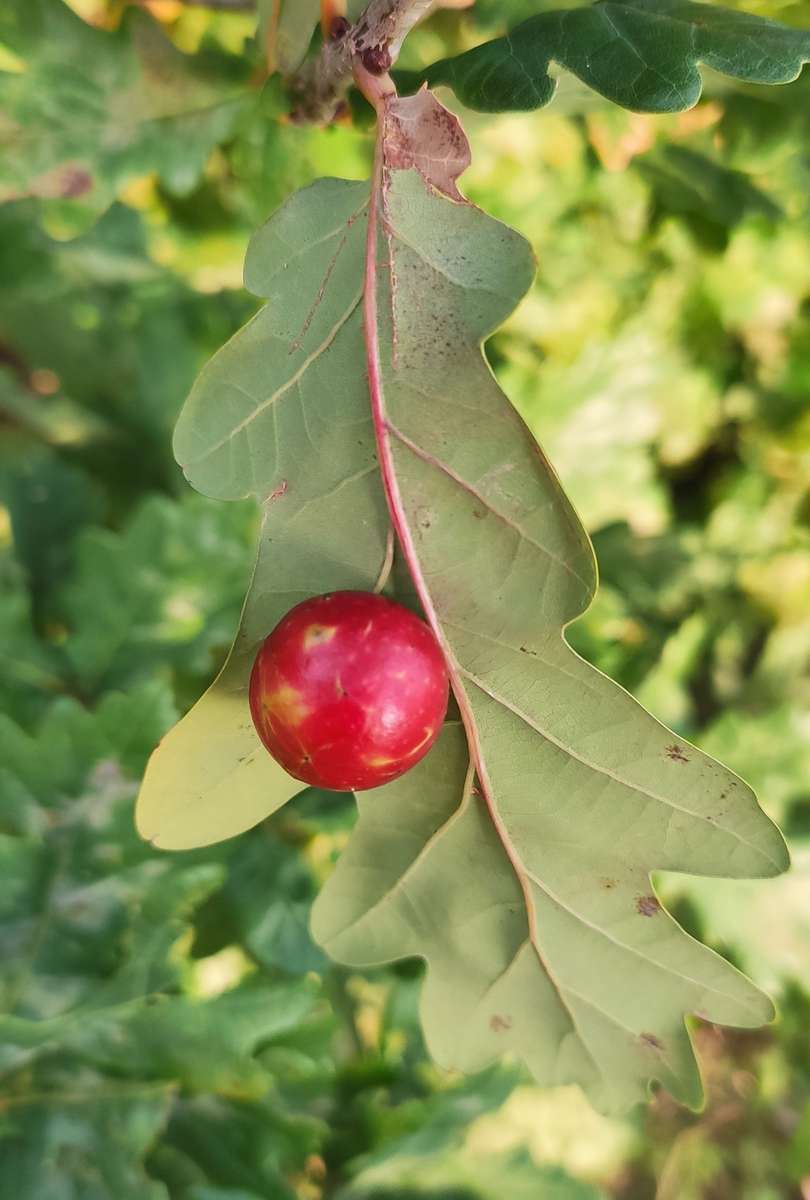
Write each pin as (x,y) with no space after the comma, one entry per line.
(425,739)
(287,704)
(318,635)
(379,760)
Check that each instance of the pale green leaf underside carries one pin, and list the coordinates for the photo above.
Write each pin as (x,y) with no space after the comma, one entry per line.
(535,911)
(641,54)
(543,935)
(263,419)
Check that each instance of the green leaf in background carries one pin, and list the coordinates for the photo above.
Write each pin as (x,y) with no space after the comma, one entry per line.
(690,183)
(158,602)
(266,902)
(279,414)
(432,1159)
(48,502)
(97,1041)
(57,420)
(88,110)
(88,1140)
(469,1177)
(202,1045)
(287,26)
(245,1148)
(641,54)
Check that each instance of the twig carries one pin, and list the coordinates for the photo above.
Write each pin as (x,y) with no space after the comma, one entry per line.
(375,39)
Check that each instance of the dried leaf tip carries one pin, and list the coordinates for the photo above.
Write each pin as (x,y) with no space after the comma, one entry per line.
(421,133)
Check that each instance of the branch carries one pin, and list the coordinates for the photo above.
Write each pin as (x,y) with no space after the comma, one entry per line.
(375,39)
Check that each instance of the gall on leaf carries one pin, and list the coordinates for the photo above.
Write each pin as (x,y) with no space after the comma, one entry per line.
(349,691)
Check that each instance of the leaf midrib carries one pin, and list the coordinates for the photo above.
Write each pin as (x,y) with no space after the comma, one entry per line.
(383,435)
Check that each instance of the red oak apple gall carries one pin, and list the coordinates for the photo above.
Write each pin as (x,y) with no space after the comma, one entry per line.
(349,691)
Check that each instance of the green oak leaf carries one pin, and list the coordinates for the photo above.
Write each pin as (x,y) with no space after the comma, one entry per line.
(641,54)
(516,858)
(89,110)
(281,414)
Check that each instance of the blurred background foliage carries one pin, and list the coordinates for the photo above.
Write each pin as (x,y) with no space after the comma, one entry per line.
(167,1028)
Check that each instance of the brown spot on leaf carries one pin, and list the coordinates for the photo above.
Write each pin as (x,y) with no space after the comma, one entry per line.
(420,132)
(498,1024)
(648,906)
(528,650)
(65,182)
(424,517)
(609,884)
(675,752)
(278,492)
(74,181)
(649,1039)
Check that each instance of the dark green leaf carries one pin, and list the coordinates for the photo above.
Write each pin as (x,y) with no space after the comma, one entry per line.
(641,54)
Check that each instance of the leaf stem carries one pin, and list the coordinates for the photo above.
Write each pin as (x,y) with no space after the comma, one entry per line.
(388,562)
